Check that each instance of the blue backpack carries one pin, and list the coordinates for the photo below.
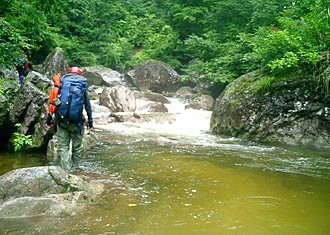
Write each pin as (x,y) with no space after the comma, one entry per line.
(72,95)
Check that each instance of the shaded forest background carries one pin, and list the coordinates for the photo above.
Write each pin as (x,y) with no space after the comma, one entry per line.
(210,40)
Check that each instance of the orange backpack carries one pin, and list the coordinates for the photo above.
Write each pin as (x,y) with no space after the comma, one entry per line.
(53,94)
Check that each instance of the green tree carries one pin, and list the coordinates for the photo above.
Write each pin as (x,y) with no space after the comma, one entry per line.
(214,40)
(35,34)
(12,43)
(298,42)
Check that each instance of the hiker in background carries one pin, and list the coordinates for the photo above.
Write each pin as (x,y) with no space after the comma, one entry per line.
(26,64)
(22,67)
(69,119)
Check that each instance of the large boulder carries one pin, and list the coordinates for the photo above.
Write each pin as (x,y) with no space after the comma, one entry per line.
(5,133)
(201,102)
(185,92)
(8,73)
(99,75)
(93,79)
(293,111)
(155,76)
(150,102)
(43,191)
(3,110)
(156,108)
(54,63)
(147,106)
(195,100)
(8,92)
(118,99)
(29,108)
(155,97)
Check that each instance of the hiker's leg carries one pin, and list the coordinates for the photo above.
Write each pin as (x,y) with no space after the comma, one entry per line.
(77,140)
(63,136)
(21,79)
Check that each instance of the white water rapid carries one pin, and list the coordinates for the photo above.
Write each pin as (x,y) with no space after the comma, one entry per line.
(185,122)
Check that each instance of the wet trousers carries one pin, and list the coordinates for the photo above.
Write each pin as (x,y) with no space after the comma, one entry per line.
(66,136)
(21,79)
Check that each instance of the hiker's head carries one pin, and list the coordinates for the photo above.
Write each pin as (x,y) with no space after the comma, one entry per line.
(76,70)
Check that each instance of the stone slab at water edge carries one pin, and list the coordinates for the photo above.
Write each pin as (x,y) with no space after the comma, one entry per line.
(45,190)
(293,111)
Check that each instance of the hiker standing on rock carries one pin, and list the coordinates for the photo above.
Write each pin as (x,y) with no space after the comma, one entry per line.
(69,102)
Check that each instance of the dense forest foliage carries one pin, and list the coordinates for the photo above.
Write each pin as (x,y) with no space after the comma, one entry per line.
(212,40)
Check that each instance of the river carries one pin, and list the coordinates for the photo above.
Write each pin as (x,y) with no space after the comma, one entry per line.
(178,179)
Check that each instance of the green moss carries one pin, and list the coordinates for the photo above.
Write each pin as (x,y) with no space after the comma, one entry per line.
(262,85)
(233,102)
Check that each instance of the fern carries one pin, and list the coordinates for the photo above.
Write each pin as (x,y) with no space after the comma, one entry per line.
(262,85)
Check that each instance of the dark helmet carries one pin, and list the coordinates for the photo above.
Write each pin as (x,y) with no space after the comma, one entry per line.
(74,70)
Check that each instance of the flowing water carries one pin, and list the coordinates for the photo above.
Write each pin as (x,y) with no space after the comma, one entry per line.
(178,179)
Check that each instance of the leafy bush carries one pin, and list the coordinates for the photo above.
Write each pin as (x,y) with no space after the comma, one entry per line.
(21,141)
(116,55)
(288,61)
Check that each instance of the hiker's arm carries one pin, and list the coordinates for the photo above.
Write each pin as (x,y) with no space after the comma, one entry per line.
(49,120)
(88,109)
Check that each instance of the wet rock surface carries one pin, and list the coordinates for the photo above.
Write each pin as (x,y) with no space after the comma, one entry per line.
(293,111)
(45,190)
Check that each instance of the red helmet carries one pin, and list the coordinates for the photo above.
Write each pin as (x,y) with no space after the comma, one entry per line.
(74,70)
